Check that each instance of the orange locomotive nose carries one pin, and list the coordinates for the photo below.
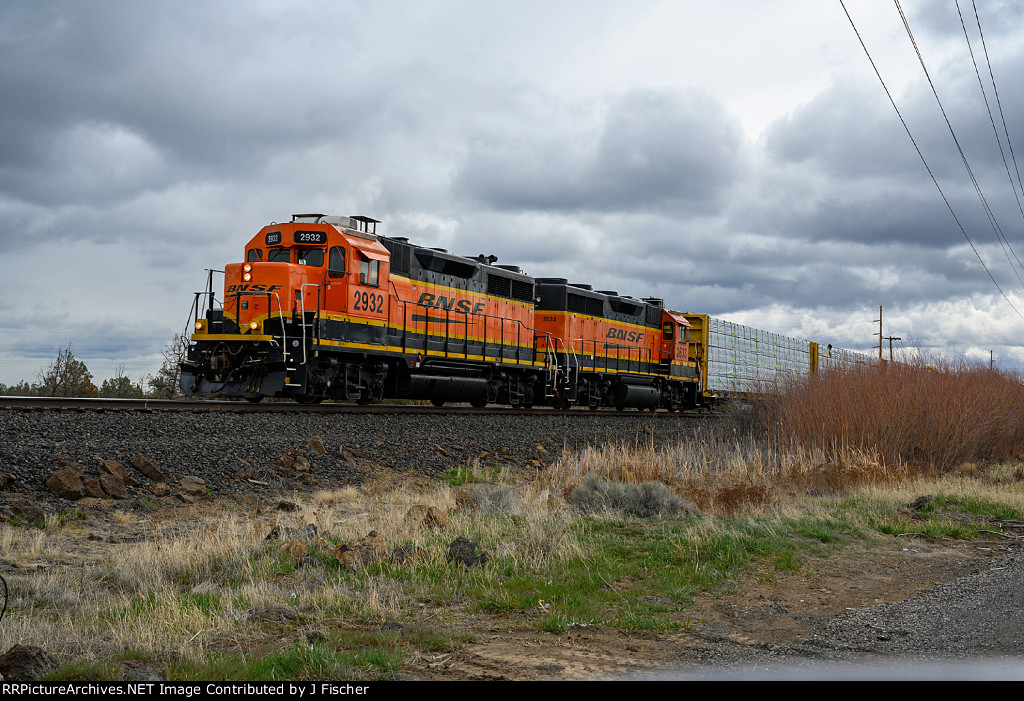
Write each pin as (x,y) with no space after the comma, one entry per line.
(255,292)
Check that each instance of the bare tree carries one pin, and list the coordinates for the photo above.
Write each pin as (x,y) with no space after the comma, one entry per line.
(67,376)
(165,384)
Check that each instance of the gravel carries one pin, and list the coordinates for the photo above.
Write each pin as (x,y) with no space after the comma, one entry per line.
(969,628)
(227,450)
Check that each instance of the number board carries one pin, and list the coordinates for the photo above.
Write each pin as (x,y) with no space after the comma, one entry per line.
(310,237)
(367,302)
(273,238)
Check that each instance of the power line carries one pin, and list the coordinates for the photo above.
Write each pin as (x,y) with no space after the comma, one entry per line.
(999,102)
(924,161)
(988,108)
(956,141)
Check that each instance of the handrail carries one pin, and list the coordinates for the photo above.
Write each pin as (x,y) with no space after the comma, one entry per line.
(193,312)
(302,310)
(280,315)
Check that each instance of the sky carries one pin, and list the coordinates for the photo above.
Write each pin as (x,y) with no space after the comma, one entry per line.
(739,158)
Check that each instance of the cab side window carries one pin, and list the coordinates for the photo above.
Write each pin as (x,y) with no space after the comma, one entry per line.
(336,262)
(368,271)
(667,333)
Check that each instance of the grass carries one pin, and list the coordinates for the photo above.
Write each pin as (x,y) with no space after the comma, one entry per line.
(186,601)
(212,599)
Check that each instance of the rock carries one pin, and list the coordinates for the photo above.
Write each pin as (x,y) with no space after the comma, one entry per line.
(464,502)
(920,503)
(316,445)
(406,553)
(27,663)
(287,506)
(192,485)
(113,485)
(314,637)
(147,467)
(186,498)
(66,484)
(363,552)
(272,613)
(301,464)
(72,465)
(307,532)
(112,467)
(28,510)
(92,488)
(430,517)
(160,489)
(293,549)
(463,551)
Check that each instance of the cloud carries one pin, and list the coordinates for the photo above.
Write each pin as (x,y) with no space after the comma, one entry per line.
(645,150)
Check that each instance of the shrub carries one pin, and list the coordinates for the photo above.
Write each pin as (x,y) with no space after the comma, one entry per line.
(648,499)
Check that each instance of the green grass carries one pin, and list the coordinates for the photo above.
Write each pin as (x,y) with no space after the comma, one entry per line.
(463,475)
(975,506)
(634,575)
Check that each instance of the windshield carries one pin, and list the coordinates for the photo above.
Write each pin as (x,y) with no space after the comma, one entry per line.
(310,256)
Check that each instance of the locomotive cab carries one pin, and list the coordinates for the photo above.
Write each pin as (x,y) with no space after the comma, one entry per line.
(297,280)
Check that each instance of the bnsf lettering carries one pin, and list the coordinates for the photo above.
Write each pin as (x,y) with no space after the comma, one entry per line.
(252,288)
(463,306)
(623,335)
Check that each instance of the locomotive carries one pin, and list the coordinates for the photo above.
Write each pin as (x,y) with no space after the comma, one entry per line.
(324,308)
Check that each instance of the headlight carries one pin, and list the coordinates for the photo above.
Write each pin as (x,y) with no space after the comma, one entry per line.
(254,325)
(247,277)
(247,268)
(201,325)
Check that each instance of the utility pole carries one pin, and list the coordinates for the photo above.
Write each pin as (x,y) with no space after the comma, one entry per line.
(879,334)
(991,361)
(891,339)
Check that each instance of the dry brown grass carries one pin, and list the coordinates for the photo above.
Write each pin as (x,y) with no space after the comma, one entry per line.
(190,582)
(829,433)
(938,416)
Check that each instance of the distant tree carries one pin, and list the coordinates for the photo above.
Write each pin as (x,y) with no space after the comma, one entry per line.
(21,389)
(121,387)
(165,384)
(67,376)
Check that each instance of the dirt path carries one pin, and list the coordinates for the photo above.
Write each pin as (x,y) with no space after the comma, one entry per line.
(757,622)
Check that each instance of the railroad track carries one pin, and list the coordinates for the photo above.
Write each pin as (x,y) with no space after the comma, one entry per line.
(187,405)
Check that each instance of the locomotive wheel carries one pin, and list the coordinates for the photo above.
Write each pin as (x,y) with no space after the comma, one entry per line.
(307,399)
(479,403)
(437,402)
(255,399)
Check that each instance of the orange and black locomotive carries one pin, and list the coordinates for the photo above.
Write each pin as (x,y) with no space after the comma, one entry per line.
(325,308)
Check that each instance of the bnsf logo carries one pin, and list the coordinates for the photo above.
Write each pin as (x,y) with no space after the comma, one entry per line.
(623,335)
(248,288)
(463,306)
